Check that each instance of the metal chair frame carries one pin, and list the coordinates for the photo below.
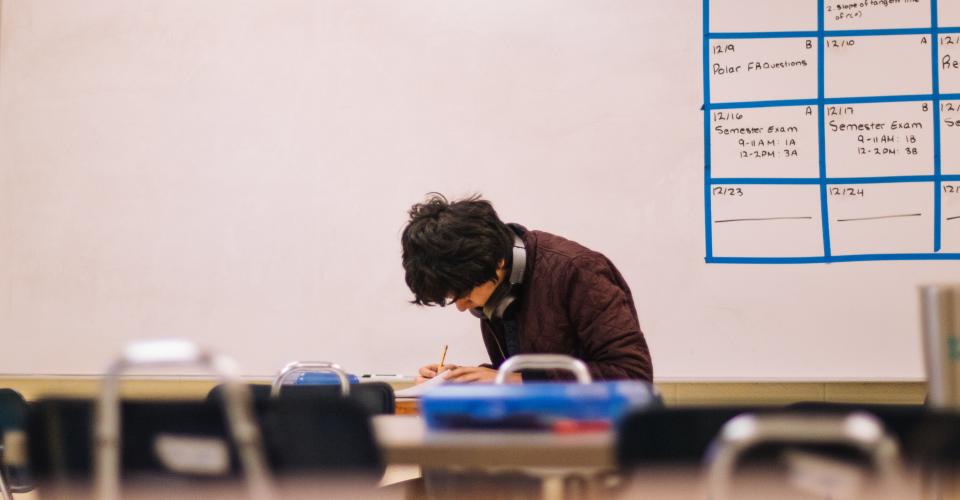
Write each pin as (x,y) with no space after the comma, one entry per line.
(238,402)
(858,430)
(544,362)
(298,367)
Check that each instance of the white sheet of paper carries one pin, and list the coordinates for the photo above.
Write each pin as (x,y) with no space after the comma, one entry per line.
(419,389)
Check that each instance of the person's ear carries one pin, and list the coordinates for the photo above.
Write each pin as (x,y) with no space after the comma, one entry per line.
(501,269)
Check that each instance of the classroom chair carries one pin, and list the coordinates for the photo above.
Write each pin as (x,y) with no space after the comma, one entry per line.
(336,375)
(185,442)
(13,415)
(681,435)
(75,441)
(176,444)
(821,454)
(681,439)
(376,397)
(928,437)
(675,436)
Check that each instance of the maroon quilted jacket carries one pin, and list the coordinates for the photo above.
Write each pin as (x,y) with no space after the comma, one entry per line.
(573,301)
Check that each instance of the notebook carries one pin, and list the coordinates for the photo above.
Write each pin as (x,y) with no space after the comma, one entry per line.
(419,389)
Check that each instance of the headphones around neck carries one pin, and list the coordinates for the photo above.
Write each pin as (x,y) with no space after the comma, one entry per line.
(507,291)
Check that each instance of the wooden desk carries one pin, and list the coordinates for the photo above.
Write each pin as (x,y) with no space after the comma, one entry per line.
(407,406)
(405,440)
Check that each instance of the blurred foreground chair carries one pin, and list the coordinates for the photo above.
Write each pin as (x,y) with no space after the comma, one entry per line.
(75,444)
(672,437)
(13,416)
(826,456)
(321,379)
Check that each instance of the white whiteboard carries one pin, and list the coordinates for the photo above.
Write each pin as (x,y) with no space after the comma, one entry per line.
(237,172)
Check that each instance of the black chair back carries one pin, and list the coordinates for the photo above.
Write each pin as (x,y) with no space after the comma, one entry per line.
(928,437)
(190,440)
(681,436)
(13,419)
(672,436)
(376,397)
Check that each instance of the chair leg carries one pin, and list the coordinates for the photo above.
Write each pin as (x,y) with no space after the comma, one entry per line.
(4,488)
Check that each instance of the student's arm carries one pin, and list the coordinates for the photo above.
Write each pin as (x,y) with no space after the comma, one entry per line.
(606,322)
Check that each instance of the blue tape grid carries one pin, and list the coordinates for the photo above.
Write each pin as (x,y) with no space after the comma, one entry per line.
(832,101)
(829,33)
(822,135)
(935,58)
(833,258)
(708,216)
(833,180)
(821,101)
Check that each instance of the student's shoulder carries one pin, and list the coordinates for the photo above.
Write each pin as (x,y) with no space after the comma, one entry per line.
(562,251)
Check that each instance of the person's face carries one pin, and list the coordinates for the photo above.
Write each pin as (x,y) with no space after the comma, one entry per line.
(480,294)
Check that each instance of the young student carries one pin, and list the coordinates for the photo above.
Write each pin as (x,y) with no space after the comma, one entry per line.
(533,291)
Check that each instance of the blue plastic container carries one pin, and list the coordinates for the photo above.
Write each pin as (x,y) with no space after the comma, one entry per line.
(538,405)
(322,378)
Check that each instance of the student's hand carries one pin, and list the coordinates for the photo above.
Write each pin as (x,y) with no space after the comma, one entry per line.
(430,371)
(479,374)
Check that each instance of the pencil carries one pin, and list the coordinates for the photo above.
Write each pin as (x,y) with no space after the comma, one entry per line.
(442,357)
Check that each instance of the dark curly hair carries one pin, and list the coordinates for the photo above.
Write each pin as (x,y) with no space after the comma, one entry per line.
(451,247)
